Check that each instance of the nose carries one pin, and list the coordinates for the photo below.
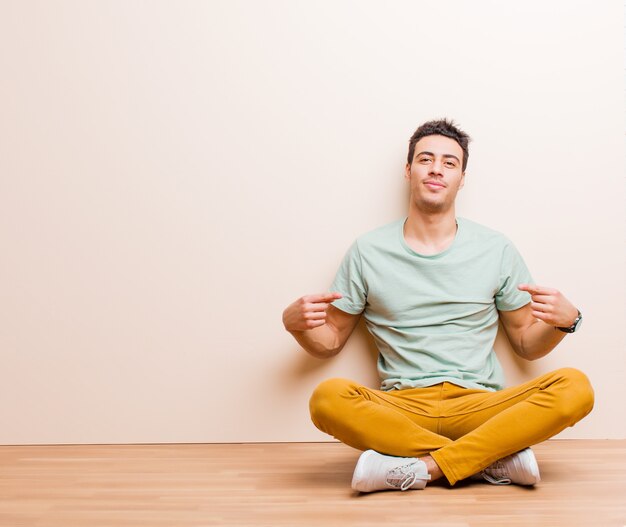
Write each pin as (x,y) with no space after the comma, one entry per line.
(436,167)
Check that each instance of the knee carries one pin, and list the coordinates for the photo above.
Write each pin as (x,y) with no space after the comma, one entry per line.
(327,398)
(578,396)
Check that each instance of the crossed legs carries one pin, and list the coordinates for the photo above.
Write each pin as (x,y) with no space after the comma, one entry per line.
(462,430)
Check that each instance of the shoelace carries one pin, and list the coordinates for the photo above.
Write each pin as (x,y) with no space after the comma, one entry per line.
(403,477)
(497,474)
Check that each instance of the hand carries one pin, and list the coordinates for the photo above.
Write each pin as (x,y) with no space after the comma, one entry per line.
(550,306)
(308,312)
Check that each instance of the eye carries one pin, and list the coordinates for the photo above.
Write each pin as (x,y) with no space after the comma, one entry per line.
(450,164)
(424,160)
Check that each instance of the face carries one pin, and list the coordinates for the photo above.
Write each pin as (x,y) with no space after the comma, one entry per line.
(435,174)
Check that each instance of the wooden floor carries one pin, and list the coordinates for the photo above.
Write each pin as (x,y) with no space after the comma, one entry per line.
(583,483)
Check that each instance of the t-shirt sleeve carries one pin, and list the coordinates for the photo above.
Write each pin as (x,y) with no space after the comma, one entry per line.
(350,283)
(513,271)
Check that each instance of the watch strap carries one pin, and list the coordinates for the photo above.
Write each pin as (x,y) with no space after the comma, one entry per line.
(574,325)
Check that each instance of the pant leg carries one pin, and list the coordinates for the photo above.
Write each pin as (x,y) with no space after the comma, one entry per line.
(397,423)
(492,425)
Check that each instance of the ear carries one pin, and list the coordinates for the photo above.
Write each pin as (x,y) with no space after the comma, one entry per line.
(462,181)
(407,172)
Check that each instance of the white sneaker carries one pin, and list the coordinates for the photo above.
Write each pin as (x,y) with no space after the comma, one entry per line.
(376,471)
(520,468)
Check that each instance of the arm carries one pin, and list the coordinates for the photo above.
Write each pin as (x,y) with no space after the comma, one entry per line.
(532,329)
(320,328)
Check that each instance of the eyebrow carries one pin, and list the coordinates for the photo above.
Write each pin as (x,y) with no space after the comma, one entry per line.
(431,154)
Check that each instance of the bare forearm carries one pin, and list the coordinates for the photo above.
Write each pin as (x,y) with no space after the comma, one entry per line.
(321,342)
(533,329)
(538,340)
(319,328)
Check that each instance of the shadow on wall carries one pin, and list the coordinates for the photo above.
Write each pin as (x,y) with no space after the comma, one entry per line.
(305,369)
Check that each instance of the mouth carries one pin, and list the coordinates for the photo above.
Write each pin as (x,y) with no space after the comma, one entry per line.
(434,184)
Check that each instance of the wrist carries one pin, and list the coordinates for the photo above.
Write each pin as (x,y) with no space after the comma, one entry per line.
(574,326)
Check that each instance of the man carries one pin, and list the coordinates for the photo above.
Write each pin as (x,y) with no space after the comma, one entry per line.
(432,288)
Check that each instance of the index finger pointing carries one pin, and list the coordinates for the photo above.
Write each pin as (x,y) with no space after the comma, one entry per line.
(324,298)
(535,289)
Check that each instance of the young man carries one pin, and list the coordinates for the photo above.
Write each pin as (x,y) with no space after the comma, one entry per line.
(432,288)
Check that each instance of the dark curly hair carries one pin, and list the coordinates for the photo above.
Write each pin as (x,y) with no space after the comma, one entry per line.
(440,127)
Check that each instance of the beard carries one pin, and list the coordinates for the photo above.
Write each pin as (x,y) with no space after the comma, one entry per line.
(432,206)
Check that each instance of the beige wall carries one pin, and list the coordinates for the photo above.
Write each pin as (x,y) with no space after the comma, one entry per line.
(172,174)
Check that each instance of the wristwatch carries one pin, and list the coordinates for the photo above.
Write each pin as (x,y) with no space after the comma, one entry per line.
(575,326)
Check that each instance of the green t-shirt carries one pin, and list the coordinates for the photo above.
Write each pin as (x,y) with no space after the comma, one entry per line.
(433,318)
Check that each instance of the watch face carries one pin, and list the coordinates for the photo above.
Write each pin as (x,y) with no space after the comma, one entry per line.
(577,325)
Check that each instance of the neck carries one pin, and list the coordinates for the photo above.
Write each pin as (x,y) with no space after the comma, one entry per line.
(430,233)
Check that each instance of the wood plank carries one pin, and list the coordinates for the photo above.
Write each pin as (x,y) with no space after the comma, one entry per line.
(289,484)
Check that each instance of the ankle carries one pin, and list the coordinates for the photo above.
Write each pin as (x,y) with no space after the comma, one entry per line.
(432,467)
